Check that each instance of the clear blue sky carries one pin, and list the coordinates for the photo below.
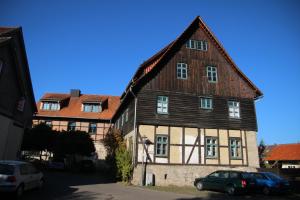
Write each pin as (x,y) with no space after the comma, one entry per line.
(96,46)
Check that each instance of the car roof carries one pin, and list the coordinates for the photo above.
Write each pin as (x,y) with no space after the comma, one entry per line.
(12,162)
(230,171)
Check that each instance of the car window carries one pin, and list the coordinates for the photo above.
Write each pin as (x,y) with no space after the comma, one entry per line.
(6,169)
(32,169)
(259,176)
(273,176)
(234,175)
(223,174)
(214,175)
(24,169)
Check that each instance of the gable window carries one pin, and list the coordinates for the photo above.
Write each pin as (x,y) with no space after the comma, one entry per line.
(71,126)
(197,44)
(181,71)
(49,105)
(235,148)
(92,128)
(211,147)
(162,105)
(91,107)
(234,109)
(206,103)
(211,73)
(161,145)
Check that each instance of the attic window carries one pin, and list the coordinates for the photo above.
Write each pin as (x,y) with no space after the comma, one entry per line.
(50,105)
(197,44)
(92,107)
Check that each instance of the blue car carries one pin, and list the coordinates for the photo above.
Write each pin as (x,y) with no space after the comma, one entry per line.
(268,182)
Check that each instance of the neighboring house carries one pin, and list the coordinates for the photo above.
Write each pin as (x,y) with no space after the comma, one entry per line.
(283,156)
(17,103)
(76,111)
(195,107)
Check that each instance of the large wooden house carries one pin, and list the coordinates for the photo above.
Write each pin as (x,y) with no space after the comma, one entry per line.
(189,110)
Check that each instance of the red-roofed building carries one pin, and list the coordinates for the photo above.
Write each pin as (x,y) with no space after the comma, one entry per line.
(76,111)
(283,155)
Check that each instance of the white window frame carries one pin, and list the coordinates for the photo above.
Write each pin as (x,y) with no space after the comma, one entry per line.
(212,74)
(206,103)
(181,70)
(91,107)
(211,147)
(126,115)
(49,105)
(200,45)
(234,110)
(235,148)
(162,105)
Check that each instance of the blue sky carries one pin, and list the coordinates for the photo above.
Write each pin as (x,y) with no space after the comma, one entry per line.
(96,46)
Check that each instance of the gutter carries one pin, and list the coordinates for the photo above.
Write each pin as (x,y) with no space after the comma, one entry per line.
(134,123)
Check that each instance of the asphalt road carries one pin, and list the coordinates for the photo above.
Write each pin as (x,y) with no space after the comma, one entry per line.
(69,186)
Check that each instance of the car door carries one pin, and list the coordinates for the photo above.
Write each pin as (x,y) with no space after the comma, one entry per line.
(25,176)
(221,181)
(211,180)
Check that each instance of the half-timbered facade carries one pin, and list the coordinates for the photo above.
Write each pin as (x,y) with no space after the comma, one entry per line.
(76,111)
(194,108)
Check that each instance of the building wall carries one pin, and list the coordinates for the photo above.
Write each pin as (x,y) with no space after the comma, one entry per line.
(186,147)
(10,139)
(102,129)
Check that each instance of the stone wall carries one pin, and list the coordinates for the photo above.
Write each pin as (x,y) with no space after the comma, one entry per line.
(180,175)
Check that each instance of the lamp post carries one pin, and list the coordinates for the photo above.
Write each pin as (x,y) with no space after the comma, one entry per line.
(147,142)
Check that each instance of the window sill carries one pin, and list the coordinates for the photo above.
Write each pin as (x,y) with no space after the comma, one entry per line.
(211,157)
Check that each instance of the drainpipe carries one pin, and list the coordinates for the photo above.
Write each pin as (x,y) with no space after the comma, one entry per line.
(134,125)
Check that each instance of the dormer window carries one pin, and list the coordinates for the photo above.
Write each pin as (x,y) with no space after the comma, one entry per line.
(50,105)
(92,107)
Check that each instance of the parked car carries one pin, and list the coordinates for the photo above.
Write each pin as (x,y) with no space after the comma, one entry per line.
(87,166)
(231,182)
(19,176)
(56,164)
(267,182)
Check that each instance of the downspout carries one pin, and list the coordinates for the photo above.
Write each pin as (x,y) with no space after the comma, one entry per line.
(134,125)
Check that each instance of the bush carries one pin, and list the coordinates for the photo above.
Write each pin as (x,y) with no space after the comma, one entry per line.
(124,163)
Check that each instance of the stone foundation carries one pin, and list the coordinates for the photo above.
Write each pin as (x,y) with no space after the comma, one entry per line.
(180,175)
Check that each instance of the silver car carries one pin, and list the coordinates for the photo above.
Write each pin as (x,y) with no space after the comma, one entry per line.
(19,176)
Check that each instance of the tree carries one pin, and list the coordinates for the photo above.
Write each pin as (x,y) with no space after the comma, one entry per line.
(261,153)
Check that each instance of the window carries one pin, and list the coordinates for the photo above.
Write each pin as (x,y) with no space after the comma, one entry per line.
(206,103)
(122,119)
(126,115)
(48,123)
(162,105)
(48,105)
(211,147)
(181,71)
(91,107)
(71,126)
(211,74)
(161,145)
(92,128)
(234,109)
(235,148)
(197,44)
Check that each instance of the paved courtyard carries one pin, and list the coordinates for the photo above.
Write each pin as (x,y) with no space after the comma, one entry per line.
(67,186)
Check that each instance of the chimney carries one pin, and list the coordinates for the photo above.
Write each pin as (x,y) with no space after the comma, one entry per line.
(75,93)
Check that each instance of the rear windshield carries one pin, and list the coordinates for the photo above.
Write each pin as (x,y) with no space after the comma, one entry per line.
(6,169)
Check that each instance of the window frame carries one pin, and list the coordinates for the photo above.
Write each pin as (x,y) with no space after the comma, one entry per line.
(200,45)
(94,107)
(48,123)
(204,99)
(51,105)
(211,74)
(240,148)
(91,128)
(162,105)
(70,127)
(180,67)
(216,146)
(234,109)
(162,143)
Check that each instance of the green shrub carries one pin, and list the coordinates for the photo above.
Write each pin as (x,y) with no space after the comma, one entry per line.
(123,162)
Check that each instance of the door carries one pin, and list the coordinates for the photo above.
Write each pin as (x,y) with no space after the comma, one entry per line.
(211,180)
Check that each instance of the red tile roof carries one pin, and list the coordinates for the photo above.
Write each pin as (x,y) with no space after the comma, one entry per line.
(72,109)
(284,152)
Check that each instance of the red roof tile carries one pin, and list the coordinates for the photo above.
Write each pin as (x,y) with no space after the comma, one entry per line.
(72,109)
(284,152)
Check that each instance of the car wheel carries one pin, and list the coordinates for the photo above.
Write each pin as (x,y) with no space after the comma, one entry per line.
(41,184)
(199,186)
(20,191)
(230,190)
(266,191)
